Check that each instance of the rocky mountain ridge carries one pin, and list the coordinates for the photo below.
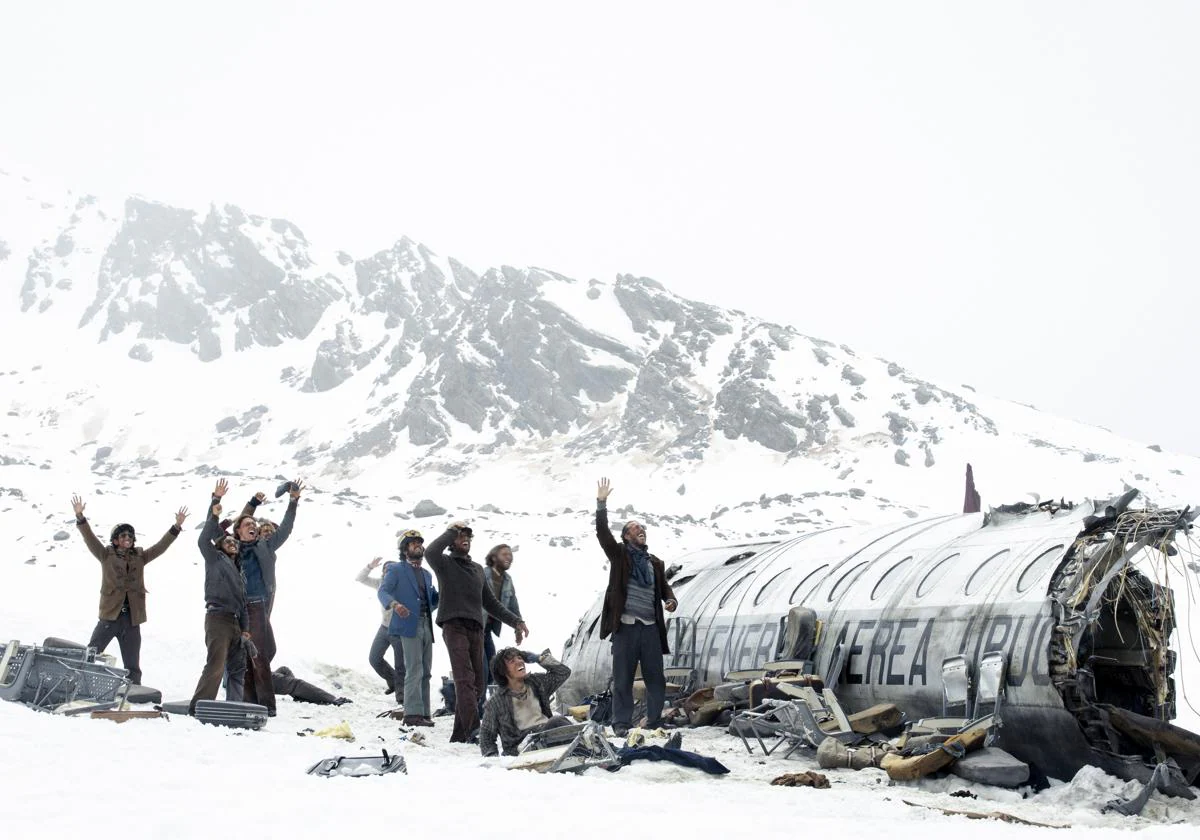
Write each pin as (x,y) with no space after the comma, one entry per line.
(410,355)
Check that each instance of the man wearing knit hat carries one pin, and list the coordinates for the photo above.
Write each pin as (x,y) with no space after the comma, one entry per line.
(123,585)
(633,615)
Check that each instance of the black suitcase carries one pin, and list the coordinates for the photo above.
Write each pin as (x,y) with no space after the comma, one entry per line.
(237,715)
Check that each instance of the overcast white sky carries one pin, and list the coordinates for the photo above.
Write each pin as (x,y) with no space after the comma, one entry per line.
(1006,195)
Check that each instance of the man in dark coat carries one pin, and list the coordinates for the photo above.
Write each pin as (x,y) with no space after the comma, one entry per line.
(464,597)
(633,615)
(226,625)
(123,585)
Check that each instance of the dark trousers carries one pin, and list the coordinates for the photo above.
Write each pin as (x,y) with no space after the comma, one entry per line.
(632,644)
(285,682)
(258,669)
(128,636)
(489,650)
(222,638)
(464,643)
(400,671)
(379,647)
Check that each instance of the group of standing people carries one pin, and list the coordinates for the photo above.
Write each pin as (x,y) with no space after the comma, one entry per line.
(472,603)
(239,594)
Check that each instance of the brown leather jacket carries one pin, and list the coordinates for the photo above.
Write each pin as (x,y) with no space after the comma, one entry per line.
(121,573)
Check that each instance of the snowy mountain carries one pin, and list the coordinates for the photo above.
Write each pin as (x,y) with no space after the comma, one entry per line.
(149,349)
(404,367)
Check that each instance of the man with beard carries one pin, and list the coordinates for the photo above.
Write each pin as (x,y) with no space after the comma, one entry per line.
(123,585)
(407,591)
(496,565)
(257,557)
(465,595)
(633,615)
(226,625)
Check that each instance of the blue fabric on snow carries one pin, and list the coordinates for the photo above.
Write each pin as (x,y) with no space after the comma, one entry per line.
(642,572)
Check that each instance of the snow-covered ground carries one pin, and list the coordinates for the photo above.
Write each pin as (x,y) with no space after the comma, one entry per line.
(137,440)
(179,778)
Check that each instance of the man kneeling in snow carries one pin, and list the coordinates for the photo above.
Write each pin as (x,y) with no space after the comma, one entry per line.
(522,706)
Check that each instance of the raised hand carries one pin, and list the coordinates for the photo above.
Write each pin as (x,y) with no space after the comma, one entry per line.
(603,488)
(222,488)
(78,504)
(260,497)
(374,562)
(180,515)
(299,485)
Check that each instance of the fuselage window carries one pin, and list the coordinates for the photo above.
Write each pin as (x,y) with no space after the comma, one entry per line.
(675,584)
(933,576)
(1040,565)
(804,588)
(738,558)
(845,580)
(981,575)
(769,587)
(735,588)
(889,580)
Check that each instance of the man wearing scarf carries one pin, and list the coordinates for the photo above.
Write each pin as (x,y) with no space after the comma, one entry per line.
(633,614)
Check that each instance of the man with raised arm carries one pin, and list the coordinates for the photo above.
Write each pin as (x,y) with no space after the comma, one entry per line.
(521,704)
(465,596)
(380,644)
(226,625)
(256,554)
(633,615)
(123,585)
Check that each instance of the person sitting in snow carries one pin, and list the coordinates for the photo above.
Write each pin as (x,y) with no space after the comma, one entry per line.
(122,585)
(522,706)
(226,624)
(633,615)
(257,556)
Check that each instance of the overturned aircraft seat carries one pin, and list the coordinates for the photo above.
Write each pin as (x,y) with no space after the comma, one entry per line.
(56,678)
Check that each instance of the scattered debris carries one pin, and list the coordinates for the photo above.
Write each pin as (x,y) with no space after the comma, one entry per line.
(806,778)
(983,815)
(341,730)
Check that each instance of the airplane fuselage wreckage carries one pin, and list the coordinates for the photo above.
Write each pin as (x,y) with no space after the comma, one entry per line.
(880,611)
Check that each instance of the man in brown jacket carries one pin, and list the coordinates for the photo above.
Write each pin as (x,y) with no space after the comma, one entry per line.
(122,585)
(633,615)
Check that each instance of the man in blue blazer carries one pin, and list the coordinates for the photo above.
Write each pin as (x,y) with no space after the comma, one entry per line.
(408,591)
